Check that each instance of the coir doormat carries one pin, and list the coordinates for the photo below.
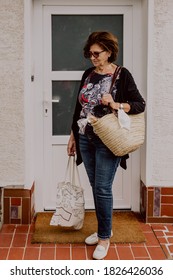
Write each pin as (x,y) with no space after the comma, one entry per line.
(126,229)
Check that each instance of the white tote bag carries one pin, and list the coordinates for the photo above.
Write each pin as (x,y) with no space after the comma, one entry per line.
(70,204)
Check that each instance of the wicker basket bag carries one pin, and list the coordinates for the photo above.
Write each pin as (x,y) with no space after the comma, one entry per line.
(118,139)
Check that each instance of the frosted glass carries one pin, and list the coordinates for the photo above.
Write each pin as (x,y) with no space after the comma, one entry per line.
(64,94)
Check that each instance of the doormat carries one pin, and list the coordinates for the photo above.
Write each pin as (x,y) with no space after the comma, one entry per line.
(126,229)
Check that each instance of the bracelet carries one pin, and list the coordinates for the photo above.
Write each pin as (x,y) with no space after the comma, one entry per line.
(121,106)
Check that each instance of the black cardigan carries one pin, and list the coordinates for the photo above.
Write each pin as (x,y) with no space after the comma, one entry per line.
(127,92)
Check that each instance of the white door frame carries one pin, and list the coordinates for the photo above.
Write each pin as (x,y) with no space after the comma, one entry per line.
(38,89)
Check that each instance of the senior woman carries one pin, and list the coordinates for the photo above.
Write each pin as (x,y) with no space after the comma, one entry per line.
(94,97)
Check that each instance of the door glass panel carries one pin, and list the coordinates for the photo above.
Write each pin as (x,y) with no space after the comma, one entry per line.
(64,94)
(69,34)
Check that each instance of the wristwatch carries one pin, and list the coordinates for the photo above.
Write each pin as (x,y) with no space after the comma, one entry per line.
(121,106)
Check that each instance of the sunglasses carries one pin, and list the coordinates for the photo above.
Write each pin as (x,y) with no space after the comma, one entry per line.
(95,54)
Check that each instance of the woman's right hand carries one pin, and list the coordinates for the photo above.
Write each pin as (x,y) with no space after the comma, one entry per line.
(71,147)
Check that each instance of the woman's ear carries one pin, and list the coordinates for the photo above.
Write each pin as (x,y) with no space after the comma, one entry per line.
(109,54)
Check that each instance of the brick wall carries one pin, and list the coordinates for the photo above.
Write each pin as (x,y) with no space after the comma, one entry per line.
(18,205)
(156,204)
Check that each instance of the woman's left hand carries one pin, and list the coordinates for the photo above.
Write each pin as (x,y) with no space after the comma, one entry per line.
(107,99)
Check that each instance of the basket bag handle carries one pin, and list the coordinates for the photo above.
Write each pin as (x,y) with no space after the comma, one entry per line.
(115,75)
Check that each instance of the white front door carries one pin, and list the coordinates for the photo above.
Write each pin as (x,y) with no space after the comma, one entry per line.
(64,32)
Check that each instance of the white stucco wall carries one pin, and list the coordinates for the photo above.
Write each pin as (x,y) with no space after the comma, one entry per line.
(161,160)
(12,156)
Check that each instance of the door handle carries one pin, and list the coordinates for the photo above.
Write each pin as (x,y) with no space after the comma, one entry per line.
(47,103)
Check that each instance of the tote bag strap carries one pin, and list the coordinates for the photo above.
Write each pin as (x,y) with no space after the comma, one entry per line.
(72,172)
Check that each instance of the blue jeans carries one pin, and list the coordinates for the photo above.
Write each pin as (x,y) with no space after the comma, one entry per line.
(101,165)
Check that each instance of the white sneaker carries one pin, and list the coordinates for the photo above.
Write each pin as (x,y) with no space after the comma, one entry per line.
(100,252)
(93,239)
